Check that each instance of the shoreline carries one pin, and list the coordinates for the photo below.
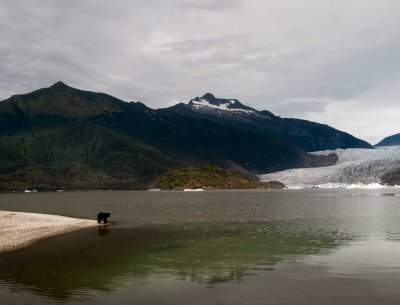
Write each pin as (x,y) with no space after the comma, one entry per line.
(21,229)
(136,190)
(307,187)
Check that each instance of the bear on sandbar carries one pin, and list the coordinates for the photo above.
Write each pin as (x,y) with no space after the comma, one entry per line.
(102,217)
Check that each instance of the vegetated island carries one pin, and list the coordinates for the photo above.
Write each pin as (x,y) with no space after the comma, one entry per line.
(209,177)
(19,229)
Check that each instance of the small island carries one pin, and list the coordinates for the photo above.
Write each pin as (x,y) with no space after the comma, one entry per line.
(209,177)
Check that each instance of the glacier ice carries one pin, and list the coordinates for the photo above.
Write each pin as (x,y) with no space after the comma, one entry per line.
(355,168)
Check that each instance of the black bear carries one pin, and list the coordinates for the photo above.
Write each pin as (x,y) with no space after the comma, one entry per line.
(103,217)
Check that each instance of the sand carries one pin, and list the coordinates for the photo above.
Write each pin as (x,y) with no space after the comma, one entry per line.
(19,229)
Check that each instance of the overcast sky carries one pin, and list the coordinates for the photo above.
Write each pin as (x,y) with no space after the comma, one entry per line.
(331,61)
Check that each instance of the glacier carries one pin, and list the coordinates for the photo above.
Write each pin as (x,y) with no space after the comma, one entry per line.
(355,168)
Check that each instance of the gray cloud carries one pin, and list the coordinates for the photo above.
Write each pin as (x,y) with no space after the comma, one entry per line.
(315,59)
(211,5)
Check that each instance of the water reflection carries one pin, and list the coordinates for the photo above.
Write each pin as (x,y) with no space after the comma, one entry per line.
(239,247)
(103,230)
(69,266)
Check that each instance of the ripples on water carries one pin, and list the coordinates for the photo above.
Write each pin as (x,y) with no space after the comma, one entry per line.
(253,247)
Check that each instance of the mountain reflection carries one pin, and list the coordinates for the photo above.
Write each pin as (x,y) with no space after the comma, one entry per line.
(68,266)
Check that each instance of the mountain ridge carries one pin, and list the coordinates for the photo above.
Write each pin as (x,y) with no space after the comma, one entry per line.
(111,136)
(392,140)
(310,136)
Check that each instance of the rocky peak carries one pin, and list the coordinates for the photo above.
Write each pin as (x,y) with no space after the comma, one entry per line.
(59,85)
(210,98)
(209,101)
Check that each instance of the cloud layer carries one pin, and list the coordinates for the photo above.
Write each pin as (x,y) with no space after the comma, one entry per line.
(332,61)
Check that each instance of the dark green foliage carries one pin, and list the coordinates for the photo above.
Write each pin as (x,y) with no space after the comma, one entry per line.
(201,140)
(12,154)
(78,156)
(310,136)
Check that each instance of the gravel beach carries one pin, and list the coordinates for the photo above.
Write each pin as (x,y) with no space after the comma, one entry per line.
(19,229)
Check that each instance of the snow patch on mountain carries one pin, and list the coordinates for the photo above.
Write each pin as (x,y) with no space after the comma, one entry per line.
(222,106)
(355,168)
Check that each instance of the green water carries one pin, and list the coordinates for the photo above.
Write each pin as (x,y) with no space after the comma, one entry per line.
(225,247)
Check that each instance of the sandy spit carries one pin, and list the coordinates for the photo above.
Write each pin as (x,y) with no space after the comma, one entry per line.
(18,230)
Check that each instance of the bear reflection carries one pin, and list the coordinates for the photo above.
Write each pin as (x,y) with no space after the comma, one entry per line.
(103,230)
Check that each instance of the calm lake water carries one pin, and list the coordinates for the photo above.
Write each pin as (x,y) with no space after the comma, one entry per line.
(221,247)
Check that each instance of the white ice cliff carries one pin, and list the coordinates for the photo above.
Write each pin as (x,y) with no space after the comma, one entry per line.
(355,168)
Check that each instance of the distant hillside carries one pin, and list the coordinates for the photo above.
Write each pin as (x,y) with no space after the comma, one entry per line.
(208,177)
(390,141)
(78,156)
(62,137)
(308,135)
